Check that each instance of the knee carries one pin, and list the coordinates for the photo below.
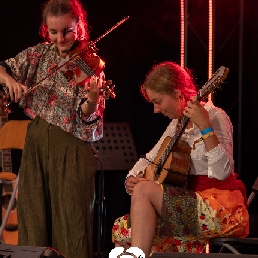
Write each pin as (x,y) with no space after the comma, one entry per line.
(144,189)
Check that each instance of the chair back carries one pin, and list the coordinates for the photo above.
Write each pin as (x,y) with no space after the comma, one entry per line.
(13,134)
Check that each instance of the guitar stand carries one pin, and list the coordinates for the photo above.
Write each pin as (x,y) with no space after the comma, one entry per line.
(10,205)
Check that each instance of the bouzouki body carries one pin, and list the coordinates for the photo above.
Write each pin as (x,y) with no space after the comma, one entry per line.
(176,166)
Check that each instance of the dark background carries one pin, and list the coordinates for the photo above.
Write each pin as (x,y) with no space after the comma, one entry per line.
(152,35)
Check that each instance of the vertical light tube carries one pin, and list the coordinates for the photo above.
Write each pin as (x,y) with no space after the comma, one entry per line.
(182,33)
(210,43)
(240,87)
(210,62)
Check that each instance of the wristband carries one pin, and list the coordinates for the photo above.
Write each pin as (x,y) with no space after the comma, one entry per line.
(207,130)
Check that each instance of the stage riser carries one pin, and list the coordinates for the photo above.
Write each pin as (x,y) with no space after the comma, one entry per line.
(193,255)
(13,251)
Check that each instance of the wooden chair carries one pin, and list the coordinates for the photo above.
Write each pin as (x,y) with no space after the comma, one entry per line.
(12,136)
(234,244)
(13,133)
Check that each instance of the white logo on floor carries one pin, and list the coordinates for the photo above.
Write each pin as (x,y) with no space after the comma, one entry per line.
(132,252)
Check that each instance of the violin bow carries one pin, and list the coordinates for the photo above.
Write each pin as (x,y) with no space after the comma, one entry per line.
(92,45)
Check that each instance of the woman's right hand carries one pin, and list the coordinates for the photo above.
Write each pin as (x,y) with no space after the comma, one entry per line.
(131,182)
(16,89)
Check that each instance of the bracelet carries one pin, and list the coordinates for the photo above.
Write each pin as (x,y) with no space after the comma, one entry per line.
(205,136)
(207,130)
(91,103)
(202,138)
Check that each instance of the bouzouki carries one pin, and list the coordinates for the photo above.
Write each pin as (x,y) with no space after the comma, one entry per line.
(172,162)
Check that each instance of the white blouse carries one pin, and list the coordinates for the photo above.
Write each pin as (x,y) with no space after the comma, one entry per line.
(216,163)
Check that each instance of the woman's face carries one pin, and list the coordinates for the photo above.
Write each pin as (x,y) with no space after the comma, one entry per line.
(62,31)
(168,105)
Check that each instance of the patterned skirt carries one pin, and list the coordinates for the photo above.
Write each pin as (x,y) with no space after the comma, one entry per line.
(189,219)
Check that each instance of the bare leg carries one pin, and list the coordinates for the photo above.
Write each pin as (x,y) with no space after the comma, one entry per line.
(146,203)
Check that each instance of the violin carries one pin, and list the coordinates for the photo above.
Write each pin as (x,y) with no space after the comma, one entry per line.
(80,62)
(84,56)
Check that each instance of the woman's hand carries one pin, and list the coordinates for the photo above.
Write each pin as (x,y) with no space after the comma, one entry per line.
(200,117)
(197,114)
(91,104)
(131,182)
(16,89)
(92,86)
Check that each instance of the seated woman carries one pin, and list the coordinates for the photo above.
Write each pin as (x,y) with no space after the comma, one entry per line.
(164,217)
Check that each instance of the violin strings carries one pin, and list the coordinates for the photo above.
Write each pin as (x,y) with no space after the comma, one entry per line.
(84,67)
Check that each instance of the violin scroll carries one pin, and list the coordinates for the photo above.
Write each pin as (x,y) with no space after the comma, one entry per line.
(107,90)
(92,48)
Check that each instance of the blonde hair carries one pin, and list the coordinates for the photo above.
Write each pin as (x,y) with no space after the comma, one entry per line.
(167,76)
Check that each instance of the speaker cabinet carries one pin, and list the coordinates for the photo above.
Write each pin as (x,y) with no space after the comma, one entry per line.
(15,251)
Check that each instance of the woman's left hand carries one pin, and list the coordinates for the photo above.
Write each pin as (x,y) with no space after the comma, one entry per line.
(197,114)
(93,86)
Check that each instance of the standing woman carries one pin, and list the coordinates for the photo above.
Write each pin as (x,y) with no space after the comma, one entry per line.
(56,177)
(213,204)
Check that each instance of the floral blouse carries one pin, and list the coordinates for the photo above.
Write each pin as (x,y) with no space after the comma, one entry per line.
(52,96)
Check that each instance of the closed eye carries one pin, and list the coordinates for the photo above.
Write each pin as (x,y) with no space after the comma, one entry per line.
(157,102)
(53,31)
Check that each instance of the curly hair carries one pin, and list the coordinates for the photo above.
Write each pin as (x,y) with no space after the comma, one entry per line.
(62,7)
(167,76)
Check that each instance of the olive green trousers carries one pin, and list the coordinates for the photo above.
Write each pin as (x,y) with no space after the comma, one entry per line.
(56,191)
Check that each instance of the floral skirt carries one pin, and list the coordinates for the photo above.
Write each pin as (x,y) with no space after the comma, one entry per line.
(189,219)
